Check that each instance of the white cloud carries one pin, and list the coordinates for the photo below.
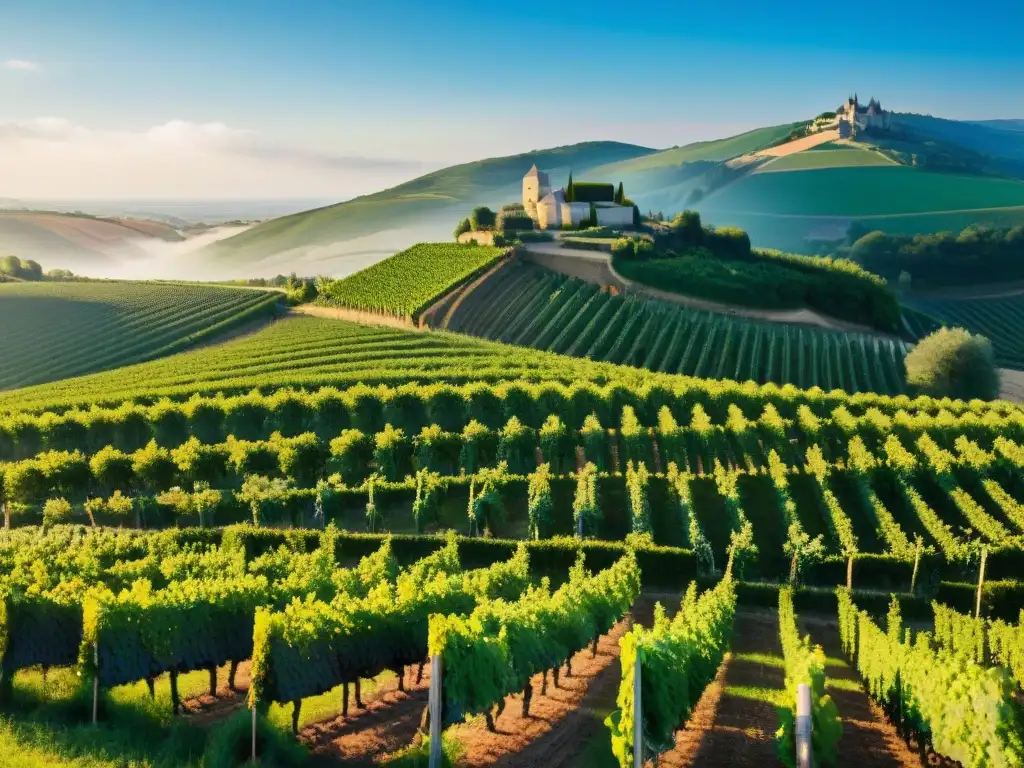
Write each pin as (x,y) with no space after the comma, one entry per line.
(21,65)
(53,157)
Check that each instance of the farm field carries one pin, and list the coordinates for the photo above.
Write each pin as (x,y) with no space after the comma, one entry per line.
(385,287)
(819,157)
(527,305)
(1000,319)
(58,330)
(862,192)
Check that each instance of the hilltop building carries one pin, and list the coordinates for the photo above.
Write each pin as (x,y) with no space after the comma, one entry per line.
(551,209)
(853,117)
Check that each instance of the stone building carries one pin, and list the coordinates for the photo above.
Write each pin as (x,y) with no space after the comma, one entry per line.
(550,209)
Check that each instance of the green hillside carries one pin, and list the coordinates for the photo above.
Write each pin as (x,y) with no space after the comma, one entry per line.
(442,196)
(716,151)
(58,330)
(786,209)
(826,156)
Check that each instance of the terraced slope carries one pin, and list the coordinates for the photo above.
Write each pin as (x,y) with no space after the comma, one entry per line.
(1000,319)
(530,306)
(57,330)
(312,352)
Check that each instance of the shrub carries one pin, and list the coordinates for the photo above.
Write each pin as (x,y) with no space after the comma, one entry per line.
(482,218)
(728,242)
(513,221)
(954,363)
(462,228)
(56,511)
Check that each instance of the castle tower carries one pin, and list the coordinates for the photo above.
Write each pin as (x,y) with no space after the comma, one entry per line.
(535,186)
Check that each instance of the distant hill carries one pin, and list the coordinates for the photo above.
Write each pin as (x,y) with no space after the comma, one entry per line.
(76,239)
(925,174)
(431,204)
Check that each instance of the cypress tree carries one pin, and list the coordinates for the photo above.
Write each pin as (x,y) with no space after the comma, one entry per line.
(619,195)
(569,190)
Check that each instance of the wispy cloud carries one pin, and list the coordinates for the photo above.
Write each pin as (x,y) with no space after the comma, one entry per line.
(21,65)
(179,156)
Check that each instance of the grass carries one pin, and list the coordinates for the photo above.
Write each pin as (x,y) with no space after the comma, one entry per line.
(449,193)
(49,725)
(59,330)
(863,192)
(718,150)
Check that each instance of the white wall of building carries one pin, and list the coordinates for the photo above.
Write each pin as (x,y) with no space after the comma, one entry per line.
(619,216)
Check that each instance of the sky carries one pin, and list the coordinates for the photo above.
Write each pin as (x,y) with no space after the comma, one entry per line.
(302,99)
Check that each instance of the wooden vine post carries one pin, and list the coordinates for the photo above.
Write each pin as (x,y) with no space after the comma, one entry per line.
(638,717)
(981,581)
(96,683)
(252,758)
(804,756)
(436,723)
(917,563)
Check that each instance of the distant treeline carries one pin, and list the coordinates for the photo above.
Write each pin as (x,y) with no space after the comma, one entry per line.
(719,264)
(977,255)
(14,269)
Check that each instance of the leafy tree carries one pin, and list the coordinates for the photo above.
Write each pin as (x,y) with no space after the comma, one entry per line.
(482,218)
(462,228)
(954,363)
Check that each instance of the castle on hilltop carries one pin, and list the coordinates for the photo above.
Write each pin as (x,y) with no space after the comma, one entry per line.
(853,117)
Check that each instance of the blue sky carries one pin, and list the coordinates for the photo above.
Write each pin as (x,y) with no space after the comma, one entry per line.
(336,98)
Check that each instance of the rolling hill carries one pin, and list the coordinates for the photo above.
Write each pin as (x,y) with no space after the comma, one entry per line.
(924,175)
(73,239)
(57,330)
(431,204)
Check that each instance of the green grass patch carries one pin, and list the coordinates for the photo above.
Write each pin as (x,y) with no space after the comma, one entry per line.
(862,192)
(835,158)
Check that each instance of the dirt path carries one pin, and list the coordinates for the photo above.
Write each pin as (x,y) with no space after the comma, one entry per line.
(1011,385)
(560,726)
(734,722)
(868,738)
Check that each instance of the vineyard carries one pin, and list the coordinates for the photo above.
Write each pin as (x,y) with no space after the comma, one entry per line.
(58,330)
(998,319)
(408,282)
(880,488)
(526,305)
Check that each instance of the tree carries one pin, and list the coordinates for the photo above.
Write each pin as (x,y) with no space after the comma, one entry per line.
(462,228)
(619,195)
(569,189)
(482,218)
(905,280)
(954,363)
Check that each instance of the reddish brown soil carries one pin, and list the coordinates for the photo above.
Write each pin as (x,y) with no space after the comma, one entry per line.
(726,729)
(206,710)
(551,734)
(388,724)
